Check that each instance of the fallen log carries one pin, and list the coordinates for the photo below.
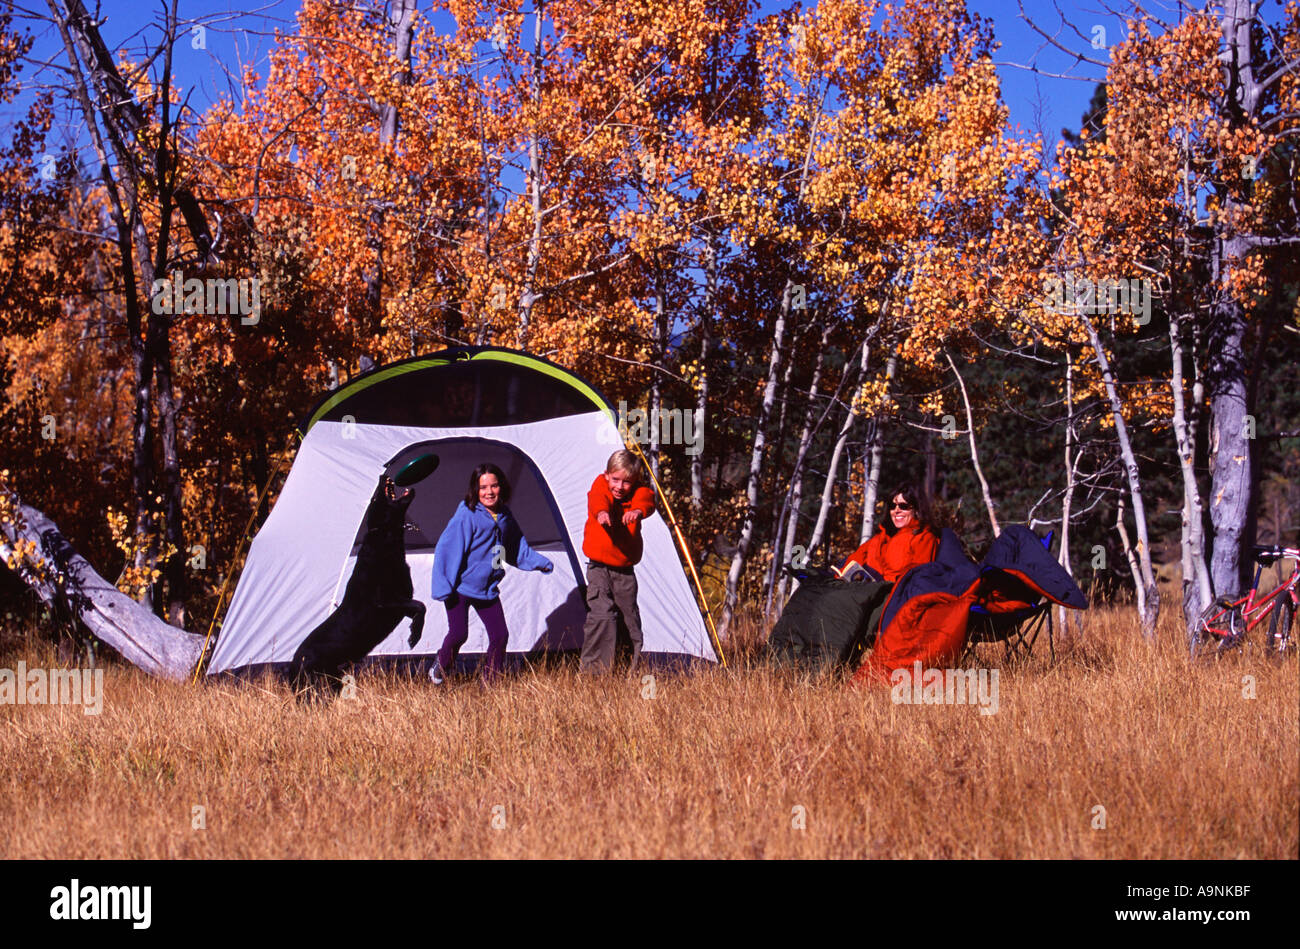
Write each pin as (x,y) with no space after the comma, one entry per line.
(34,548)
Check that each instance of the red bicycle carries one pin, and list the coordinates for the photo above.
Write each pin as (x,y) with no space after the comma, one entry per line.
(1229,621)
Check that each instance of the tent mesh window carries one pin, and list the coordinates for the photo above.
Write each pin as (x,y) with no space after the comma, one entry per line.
(467,393)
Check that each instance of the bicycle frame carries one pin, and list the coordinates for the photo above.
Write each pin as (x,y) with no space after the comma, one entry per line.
(1255,611)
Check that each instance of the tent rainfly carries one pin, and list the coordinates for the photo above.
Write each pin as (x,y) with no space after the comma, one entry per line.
(547,429)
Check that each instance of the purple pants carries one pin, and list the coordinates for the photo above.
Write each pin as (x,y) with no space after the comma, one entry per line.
(494,619)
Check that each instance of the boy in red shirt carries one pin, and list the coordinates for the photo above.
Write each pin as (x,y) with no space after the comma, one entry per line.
(611,540)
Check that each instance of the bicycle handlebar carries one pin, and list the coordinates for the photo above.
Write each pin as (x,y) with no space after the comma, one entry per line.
(1268,554)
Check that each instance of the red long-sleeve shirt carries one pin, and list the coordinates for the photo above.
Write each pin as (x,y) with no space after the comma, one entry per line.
(893,556)
(616,545)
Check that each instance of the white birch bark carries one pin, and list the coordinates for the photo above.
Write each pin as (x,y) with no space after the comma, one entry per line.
(794,496)
(974,450)
(1197,590)
(706,344)
(1246,78)
(1141,592)
(660,349)
(764,414)
(876,456)
(66,578)
(755,465)
(528,293)
(1148,597)
(841,440)
(1067,499)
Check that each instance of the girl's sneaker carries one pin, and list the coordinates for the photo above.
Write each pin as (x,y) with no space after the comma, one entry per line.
(436,674)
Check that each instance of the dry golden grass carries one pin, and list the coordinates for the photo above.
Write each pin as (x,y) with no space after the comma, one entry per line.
(713,765)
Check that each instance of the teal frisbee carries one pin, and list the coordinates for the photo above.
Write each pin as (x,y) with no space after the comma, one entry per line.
(416,470)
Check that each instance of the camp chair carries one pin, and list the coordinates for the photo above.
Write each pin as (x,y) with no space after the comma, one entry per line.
(937,610)
(1011,612)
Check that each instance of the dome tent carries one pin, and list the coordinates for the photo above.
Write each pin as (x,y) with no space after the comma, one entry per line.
(546,428)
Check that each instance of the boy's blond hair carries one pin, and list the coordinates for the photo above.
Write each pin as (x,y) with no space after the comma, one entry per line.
(624,460)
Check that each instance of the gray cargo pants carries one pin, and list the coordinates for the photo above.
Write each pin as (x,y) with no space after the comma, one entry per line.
(611,593)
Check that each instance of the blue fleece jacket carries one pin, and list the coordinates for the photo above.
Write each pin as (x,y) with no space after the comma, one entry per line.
(463,558)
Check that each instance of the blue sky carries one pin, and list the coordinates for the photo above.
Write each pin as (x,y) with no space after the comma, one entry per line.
(1039,102)
(235,38)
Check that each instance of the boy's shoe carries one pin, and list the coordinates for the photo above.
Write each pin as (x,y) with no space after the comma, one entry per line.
(436,674)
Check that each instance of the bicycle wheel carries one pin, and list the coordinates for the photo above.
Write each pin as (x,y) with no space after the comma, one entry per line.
(1223,624)
(1279,624)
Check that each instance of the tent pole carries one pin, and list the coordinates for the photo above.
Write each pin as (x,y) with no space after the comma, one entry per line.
(686,552)
(198,666)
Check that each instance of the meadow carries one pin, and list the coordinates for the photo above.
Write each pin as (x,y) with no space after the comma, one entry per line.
(1117,749)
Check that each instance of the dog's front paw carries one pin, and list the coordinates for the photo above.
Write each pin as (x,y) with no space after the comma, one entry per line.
(413,638)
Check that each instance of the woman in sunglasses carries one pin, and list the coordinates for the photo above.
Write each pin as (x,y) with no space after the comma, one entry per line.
(905,539)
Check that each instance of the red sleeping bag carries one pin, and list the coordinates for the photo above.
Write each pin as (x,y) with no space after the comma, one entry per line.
(926,617)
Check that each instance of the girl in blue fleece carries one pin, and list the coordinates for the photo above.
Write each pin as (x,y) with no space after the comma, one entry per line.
(480,536)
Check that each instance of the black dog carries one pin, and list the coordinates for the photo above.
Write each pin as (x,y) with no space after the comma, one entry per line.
(378,595)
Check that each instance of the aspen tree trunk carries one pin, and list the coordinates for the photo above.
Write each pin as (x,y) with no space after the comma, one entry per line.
(841,440)
(1230,458)
(712,251)
(159,336)
(66,582)
(764,415)
(1192,526)
(527,294)
(660,350)
(794,494)
(149,333)
(1231,427)
(1188,570)
(783,395)
(706,343)
(1141,591)
(1196,433)
(401,22)
(72,28)
(1197,590)
(756,464)
(1067,499)
(173,512)
(780,499)
(1148,596)
(876,452)
(931,466)
(974,451)
(483,312)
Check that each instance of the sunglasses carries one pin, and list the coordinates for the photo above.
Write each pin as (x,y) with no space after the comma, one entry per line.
(900,507)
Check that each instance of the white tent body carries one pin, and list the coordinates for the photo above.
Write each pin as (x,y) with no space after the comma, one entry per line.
(299,563)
